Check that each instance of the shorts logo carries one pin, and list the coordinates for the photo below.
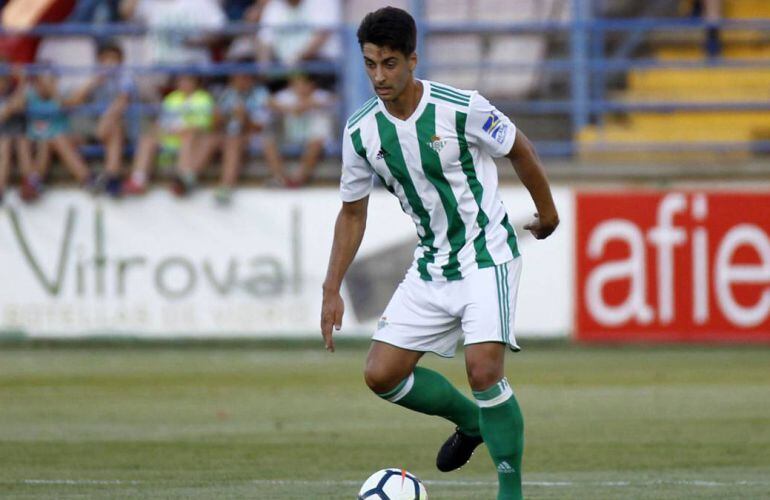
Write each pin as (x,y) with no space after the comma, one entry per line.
(437,143)
(496,128)
(382,323)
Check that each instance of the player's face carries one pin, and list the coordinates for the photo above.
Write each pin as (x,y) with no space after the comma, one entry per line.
(389,70)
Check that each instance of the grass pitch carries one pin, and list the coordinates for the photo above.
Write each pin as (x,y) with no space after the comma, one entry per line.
(288,421)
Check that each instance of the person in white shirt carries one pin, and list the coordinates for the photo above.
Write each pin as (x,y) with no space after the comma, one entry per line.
(180,30)
(304,114)
(433,147)
(299,30)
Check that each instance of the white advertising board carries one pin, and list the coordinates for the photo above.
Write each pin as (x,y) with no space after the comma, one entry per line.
(73,265)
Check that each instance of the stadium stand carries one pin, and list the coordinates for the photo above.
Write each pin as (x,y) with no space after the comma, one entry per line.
(589,80)
(688,100)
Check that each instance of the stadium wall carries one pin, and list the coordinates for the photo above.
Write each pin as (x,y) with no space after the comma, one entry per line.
(625,265)
(689,265)
(75,266)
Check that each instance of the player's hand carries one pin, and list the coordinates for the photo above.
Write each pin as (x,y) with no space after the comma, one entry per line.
(542,227)
(332,311)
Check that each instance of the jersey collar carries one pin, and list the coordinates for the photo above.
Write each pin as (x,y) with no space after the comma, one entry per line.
(417,111)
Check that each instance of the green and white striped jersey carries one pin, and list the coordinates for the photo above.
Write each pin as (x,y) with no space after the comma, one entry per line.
(439,164)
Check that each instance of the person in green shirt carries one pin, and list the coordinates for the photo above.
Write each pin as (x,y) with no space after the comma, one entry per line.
(185,119)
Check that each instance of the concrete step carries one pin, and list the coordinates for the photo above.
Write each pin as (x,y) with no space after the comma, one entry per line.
(694,52)
(693,122)
(692,78)
(632,133)
(696,95)
(745,9)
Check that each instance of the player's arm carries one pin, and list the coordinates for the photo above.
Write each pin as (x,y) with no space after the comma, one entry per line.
(529,169)
(348,233)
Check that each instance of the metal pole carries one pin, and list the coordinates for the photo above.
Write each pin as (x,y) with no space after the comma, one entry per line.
(597,76)
(580,72)
(417,9)
(356,88)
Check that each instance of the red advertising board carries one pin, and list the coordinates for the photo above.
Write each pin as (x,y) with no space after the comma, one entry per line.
(673,266)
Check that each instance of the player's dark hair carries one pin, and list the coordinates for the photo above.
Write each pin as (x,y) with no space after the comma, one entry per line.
(389,27)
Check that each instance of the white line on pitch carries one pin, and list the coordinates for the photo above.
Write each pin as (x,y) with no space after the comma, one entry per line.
(621,484)
(78,481)
(546,484)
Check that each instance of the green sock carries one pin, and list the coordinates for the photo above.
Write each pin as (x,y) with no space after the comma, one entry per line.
(502,427)
(429,392)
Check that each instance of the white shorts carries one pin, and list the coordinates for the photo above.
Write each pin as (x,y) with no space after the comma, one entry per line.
(430,316)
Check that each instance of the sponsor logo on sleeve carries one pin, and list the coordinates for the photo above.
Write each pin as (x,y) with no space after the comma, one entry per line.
(495,128)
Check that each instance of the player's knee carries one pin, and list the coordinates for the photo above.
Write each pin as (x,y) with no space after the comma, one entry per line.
(482,376)
(378,379)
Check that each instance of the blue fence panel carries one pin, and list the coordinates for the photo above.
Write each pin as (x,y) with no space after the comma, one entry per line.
(587,66)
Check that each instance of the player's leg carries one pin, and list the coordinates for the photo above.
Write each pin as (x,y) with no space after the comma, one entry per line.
(414,323)
(388,367)
(392,373)
(489,310)
(500,418)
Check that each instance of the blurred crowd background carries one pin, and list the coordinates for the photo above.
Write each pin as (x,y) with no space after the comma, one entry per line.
(116,93)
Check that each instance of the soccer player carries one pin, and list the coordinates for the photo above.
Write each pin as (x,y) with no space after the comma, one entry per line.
(432,146)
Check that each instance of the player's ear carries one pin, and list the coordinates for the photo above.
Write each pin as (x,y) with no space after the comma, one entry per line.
(412,60)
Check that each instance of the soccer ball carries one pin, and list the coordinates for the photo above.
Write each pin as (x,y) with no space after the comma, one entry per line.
(392,484)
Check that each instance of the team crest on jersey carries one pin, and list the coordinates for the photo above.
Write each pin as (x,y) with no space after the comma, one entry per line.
(437,143)
(495,127)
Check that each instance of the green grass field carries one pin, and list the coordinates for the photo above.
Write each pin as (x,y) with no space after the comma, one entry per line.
(273,421)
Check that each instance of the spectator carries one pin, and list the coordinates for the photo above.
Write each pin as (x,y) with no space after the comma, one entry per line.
(300,30)
(180,30)
(95,11)
(12,139)
(244,10)
(48,128)
(111,92)
(305,115)
(250,11)
(185,119)
(241,112)
(711,12)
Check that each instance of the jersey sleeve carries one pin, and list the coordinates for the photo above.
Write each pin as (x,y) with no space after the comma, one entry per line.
(488,128)
(357,175)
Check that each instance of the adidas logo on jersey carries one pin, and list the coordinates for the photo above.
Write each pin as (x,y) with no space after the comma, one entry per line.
(505,468)
(381,154)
